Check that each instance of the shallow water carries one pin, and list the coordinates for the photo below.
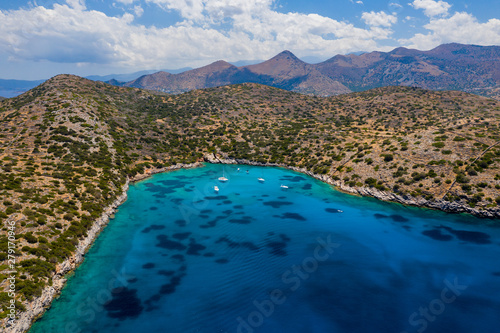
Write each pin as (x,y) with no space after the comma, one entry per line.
(179,257)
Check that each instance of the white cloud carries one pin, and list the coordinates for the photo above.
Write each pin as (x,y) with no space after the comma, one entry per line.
(77,4)
(188,9)
(252,30)
(359,2)
(138,10)
(379,19)
(459,28)
(127,2)
(432,8)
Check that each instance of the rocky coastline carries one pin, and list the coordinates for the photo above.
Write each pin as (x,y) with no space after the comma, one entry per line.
(149,172)
(438,204)
(39,305)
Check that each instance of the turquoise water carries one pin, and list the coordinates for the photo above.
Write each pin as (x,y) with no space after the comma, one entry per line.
(258,258)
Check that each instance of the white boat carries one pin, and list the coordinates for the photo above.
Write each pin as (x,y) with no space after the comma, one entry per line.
(223,178)
(216,189)
(283,186)
(261,178)
(238,170)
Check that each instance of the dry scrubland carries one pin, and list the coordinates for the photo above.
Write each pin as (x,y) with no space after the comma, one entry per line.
(68,146)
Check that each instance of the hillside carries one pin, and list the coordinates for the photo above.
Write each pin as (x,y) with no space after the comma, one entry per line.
(469,68)
(450,66)
(68,146)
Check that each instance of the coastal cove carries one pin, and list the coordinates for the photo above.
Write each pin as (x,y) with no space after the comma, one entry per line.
(439,204)
(39,305)
(180,257)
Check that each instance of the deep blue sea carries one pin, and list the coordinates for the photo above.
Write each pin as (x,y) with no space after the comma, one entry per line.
(180,258)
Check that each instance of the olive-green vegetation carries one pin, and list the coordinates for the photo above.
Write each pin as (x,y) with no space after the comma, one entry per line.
(68,146)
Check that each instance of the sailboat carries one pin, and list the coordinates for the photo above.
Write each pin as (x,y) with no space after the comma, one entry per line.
(284,187)
(223,178)
(261,178)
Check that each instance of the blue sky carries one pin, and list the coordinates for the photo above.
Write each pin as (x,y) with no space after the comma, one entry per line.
(42,38)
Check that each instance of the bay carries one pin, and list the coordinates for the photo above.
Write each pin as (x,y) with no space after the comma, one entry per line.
(256,257)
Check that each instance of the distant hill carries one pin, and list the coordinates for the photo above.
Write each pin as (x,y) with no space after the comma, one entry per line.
(13,88)
(132,76)
(447,67)
(469,68)
(283,71)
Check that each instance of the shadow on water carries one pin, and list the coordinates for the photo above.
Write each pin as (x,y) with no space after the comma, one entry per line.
(124,304)
(473,237)
(168,244)
(153,227)
(277,204)
(194,248)
(394,217)
(291,216)
(292,179)
(436,234)
(232,244)
(181,235)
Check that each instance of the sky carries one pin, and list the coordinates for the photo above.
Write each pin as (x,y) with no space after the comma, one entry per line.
(43,38)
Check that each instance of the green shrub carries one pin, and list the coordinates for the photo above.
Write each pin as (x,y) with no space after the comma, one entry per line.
(30,238)
(438,144)
(371,181)
(387,157)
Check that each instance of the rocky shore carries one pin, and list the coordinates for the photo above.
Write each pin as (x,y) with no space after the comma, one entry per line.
(446,206)
(149,172)
(39,305)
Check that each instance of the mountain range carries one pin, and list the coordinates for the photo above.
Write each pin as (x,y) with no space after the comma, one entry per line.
(469,68)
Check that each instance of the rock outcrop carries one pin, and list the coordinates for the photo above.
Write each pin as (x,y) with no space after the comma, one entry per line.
(149,172)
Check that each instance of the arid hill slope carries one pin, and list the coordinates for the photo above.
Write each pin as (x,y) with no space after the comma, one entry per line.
(68,146)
